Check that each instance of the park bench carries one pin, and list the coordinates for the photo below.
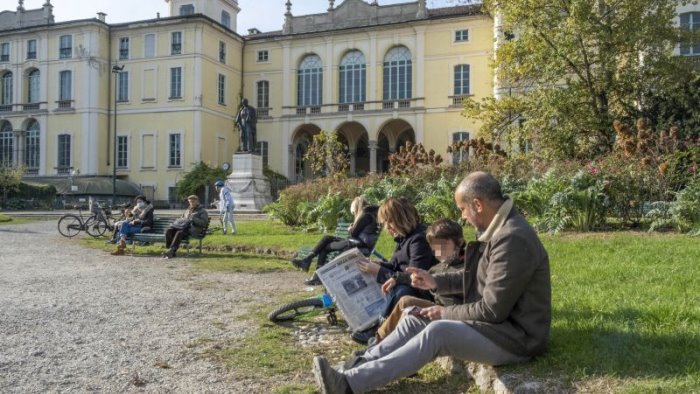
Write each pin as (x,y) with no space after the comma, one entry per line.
(157,234)
(341,231)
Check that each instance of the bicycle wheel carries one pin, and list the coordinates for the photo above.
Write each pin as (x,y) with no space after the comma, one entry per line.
(95,227)
(296,308)
(69,225)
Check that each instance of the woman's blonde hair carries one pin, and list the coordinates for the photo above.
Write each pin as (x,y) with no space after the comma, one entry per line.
(401,214)
(356,206)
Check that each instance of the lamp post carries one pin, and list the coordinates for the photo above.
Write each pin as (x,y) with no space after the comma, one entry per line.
(116,70)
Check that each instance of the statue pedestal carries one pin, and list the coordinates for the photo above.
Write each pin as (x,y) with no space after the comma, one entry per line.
(249,187)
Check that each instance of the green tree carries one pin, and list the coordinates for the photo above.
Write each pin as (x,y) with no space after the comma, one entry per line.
(10,178)
(327,155)
(572,67)
(197,179)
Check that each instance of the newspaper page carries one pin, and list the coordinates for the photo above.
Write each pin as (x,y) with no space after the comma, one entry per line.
(356,293)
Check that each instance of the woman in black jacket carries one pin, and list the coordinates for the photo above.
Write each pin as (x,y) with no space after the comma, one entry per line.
(400,218)
(364,229)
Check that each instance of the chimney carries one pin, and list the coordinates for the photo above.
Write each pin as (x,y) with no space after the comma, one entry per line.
(157,15)
(101,16)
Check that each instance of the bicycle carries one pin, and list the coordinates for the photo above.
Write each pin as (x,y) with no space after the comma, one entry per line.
(103,220)
(322,302)
(70,225)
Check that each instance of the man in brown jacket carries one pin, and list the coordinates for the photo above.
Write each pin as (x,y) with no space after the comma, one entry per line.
(507,311)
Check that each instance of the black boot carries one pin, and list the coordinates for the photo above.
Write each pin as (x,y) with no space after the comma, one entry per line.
(303,264)
(362,337)
(313,281)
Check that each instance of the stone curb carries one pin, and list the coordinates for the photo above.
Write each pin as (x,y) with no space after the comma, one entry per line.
(489,379)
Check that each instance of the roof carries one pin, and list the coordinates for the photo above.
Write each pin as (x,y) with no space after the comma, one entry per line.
(89,185)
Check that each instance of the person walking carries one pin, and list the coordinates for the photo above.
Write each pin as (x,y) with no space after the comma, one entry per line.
(226,206)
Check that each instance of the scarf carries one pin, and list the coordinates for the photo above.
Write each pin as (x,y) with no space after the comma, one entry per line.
(497,221)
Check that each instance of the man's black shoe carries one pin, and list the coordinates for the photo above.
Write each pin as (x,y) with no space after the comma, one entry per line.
(328,379)
(362,337)
(302,264)
(313,281)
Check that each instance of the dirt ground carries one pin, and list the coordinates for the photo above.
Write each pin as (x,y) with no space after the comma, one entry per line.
(79,320)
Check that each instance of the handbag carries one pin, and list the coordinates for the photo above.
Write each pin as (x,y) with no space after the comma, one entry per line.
(180,224)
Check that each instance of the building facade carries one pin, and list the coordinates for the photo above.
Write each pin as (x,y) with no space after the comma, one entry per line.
(170,87)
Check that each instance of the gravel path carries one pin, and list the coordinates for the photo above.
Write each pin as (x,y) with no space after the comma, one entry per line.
(79,320)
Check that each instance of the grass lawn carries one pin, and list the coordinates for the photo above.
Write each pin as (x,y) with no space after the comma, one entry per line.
(5,219)
(626,314)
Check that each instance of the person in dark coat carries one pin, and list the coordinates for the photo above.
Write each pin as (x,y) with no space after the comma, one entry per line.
(192,222)
(507,310)
(400,218)
(364,230)
(142,222)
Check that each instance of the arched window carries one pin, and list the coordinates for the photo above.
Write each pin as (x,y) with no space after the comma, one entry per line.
(33,86)
(226,19)
(6,89)
(353,78)
(309,81)
(32,143)
(461,78)
(7,144)
(398,74)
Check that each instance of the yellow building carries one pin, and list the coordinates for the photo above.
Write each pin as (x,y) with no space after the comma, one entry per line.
(379,75)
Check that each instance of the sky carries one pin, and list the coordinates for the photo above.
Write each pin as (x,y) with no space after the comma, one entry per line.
(266,15)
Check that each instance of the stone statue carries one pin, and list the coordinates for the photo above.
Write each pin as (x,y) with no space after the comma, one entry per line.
(246,121)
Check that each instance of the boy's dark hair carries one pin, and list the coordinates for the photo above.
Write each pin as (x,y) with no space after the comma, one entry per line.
(445,229)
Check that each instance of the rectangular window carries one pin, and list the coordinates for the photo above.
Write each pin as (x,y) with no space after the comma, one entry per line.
(63,154)
(31,49)
(5,52)
(124,48)
(461,78)
(123,88)
(31,156)
(176,43)
(263,94)
(222,89)
(174,156)
(462,152)
(122,151)
(176,82)
(263,56)
(149,45)
(187,9)
(65,47)
(462,35)
(148,84)
(65,86)
(7,149)
(690,21)
(222,52)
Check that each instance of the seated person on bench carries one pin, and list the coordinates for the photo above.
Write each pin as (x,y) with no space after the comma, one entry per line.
(364,229)
(141,222)
(192,222)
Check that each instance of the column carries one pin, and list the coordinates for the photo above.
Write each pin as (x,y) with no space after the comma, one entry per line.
(373,146)
(19,147)
(290,167)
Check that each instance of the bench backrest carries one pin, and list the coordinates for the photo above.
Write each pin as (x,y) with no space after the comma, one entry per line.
(160,225)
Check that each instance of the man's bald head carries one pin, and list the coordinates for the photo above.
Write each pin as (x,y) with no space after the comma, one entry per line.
(480,185)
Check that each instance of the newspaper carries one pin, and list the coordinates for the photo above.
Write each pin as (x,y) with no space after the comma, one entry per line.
(356,293)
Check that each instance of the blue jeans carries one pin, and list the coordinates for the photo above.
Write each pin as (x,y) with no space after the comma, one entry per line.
(396,293)
(128,229)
